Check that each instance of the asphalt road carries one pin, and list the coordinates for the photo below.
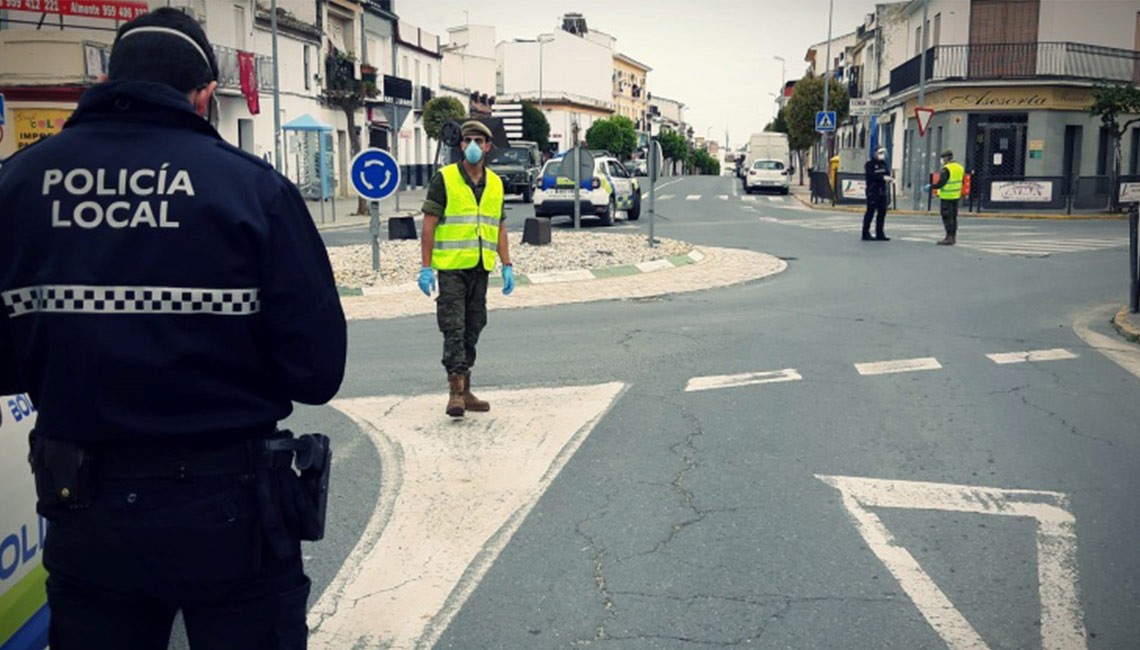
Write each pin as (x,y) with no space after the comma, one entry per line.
(761,471)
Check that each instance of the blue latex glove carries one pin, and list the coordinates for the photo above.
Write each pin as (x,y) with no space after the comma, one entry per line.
(427,281)
(926,188)
(508,280)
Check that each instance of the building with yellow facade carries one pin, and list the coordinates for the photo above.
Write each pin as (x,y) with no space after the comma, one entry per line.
(631,95)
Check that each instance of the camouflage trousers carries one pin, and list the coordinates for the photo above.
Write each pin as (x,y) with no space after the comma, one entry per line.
(949,211)
(461,311)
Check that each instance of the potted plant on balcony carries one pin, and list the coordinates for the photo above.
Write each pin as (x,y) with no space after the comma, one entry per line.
(344,91)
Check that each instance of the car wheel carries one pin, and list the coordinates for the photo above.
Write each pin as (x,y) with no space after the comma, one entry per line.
(635,212)
(608,215)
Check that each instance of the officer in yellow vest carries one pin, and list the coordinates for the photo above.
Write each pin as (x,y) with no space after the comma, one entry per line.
(462,234)
(949,188)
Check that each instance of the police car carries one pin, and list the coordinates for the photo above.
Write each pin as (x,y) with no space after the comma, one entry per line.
(609,190)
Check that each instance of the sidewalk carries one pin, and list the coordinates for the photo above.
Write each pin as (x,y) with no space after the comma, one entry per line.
(904,199)
(339,213)
(1128,324)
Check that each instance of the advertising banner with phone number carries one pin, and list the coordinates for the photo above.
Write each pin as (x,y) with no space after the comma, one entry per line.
(109,9)
(23,601)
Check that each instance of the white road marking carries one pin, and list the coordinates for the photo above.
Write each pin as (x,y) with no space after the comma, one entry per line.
(898,365)
(1032,355)
(713,382)
(693,197)
(1062,618)
(1126,355)
(645,196)
(664,197)
(723,197)
(453,493)
(749,198)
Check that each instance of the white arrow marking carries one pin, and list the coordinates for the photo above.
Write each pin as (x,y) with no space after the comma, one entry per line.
(713,382)
(453,492)
(1062,619)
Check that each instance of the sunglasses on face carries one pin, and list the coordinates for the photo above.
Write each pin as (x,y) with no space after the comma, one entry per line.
(477,140)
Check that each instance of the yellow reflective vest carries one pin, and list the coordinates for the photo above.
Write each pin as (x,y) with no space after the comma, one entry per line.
(467,229)
(952,190)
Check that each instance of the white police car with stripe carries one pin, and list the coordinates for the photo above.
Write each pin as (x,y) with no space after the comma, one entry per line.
(609,191)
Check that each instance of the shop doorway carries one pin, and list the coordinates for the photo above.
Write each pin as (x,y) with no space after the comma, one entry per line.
(998,144)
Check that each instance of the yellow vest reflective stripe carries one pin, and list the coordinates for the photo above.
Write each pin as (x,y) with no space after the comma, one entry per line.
(466,230)
(952,190)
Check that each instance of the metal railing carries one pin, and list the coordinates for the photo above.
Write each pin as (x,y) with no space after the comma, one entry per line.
(1013,61)
(229,74)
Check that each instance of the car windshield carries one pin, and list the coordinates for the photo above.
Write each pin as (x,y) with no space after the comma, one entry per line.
(774,165)
(553,168)
(513,156)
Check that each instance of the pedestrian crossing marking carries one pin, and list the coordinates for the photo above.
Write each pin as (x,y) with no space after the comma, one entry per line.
(693,197)
(723,197)
(1061,618)
(712,382)
(664,197)
(1056,354)
(898,365)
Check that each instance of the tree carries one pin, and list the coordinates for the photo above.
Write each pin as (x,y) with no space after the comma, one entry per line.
(616,135)
(1110,102)
(778,125)
(705,163)
(673,146)
(344,91)
(440,111)
(535,126)
(806,100)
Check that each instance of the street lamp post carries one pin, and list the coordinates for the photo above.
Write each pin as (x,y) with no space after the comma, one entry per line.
(783,72)
(826,89)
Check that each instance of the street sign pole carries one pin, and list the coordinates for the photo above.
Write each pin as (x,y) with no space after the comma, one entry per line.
(652,170)
(918,173)
(374,232)
(374,175)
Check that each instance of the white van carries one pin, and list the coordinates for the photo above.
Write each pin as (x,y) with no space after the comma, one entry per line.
(766,174)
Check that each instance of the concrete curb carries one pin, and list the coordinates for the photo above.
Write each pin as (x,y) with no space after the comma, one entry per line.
(1127,325)
(346,222)
(703,268)
(979,215)
(550,277)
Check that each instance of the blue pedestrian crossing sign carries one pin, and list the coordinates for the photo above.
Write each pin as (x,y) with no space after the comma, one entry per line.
(825,120)
(374,174)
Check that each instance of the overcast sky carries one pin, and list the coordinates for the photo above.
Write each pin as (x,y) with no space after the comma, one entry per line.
(713,55)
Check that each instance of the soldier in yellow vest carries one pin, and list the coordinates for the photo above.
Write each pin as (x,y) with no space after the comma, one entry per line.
(949,188)
(462,236)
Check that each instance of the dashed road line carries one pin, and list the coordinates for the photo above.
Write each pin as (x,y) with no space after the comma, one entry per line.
(1055,354)
(713,382)
(898,365)
(693,197)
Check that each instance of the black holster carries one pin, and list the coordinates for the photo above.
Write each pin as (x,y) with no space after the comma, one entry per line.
(64,475)
(303,499)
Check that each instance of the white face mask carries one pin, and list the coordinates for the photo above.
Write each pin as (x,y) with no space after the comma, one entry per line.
(881,156)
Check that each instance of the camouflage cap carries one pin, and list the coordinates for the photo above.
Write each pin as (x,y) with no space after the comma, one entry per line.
(475,127)
(946,153)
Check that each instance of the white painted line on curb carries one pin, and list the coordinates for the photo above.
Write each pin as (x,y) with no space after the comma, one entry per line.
(654,265)
(551,277)
(453,493)
(1032,355)
(1124,354)
(713,382)
(696,255)
(898,365)
(1062,618)
(693,197)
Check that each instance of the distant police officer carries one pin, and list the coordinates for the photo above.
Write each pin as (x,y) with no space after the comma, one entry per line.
(462,233)
(949,188)
(166,298)
(877,174)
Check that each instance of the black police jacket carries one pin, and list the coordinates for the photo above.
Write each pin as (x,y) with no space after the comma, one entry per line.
(158,282)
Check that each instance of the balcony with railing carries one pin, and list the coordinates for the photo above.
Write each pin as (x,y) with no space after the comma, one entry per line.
(1019,61)
(229,74)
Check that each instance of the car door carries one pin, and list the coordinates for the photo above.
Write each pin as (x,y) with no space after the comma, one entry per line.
(623,186)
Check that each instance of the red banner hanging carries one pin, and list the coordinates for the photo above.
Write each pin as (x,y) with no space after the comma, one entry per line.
(108,9)
(247,69)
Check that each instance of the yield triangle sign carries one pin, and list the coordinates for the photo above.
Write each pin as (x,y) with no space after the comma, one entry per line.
(923,114)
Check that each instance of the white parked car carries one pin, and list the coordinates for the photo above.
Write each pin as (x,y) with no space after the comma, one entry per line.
(768,175)
(609,190)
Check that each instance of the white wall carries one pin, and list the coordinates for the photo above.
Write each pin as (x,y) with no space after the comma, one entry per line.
(570,65)
(561,123)
(469,59)
(1110,23)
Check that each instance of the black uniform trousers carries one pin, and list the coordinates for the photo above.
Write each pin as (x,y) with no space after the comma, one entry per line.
(461,312)
(146,548)
(949,210)
(877,209)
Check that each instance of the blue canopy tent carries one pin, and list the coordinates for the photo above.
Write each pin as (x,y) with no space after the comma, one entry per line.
(307,124)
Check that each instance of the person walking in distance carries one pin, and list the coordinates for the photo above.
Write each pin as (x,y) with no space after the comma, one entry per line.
(462,235)
(877,174)
(949,188)
(166,298)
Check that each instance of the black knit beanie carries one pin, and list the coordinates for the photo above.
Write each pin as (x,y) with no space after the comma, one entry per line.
(164,46)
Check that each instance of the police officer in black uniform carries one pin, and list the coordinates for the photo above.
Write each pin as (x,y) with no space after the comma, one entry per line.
(877,173)
(166,297)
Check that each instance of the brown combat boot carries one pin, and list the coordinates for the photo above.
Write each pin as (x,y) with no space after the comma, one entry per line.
(946,241)
(455,406)
(471,402)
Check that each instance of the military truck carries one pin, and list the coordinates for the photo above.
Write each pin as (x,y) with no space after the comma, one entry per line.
(518,165)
